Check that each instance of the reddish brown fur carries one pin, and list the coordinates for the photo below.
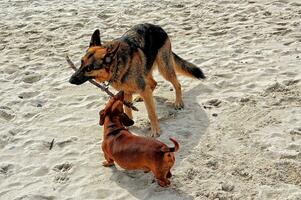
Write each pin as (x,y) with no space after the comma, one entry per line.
(130,151)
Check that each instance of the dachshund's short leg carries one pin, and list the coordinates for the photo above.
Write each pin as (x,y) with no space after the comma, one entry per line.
(161,178)
(108,162)
(163,182)
(169,175)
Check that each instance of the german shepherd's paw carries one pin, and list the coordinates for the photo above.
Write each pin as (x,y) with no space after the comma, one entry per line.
(155,132)
(155,135)
(179,105)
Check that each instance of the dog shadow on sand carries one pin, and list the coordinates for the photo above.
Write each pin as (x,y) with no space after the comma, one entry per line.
(186,126)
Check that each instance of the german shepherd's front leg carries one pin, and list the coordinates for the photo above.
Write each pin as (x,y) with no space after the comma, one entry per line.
(129,98)
(151,81)
(147,95)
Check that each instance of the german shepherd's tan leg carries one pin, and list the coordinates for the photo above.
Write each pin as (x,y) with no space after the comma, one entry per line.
(165,64)
(129,98)
(147,95)
(151,81)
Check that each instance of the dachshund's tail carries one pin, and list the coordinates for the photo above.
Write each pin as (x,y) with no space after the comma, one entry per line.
(166,149)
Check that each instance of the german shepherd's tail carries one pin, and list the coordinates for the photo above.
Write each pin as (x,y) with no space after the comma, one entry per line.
(186,68)
(166,149)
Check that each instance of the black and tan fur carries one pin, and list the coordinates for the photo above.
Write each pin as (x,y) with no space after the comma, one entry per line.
(127,64)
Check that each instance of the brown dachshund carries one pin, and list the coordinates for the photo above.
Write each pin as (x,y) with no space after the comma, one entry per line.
(130,151)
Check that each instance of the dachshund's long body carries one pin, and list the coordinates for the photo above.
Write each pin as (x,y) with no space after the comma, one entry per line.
(133,152)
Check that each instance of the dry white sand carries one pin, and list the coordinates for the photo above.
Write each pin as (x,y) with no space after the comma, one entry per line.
(240,131)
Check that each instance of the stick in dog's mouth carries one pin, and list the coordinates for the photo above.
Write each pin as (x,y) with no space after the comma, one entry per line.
(103,88)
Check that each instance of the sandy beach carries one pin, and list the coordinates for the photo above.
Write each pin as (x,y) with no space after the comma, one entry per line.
(240,131)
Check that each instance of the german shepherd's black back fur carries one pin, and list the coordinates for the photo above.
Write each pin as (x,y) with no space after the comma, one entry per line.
(149,38)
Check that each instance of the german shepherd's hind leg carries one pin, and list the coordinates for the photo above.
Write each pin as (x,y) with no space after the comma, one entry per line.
(129,98)
(151,81)
(165,64)
(147,95)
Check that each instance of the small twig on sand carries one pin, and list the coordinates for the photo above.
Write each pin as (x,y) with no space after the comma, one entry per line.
(51,144)
(105,89)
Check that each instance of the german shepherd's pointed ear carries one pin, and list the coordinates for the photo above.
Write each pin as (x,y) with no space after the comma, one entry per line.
(95,39)
(126,120)
(102,117)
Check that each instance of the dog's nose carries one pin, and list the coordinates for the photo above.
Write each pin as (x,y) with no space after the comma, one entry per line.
(74,80)
(78,78)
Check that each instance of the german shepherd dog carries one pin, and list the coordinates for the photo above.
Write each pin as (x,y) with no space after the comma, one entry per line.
(127,64)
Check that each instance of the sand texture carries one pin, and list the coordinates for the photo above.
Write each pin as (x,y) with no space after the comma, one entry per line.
(240,131)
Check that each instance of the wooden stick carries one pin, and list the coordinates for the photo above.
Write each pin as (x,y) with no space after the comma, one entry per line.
(105,89)
(51,144)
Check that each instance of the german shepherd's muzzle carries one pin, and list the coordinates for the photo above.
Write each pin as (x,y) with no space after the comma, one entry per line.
(79,77)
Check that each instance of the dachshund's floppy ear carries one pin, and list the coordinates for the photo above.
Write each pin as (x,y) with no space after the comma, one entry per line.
(101,117)
(126,120)
(95,39)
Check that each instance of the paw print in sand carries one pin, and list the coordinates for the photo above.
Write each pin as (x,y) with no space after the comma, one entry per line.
(62,172)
